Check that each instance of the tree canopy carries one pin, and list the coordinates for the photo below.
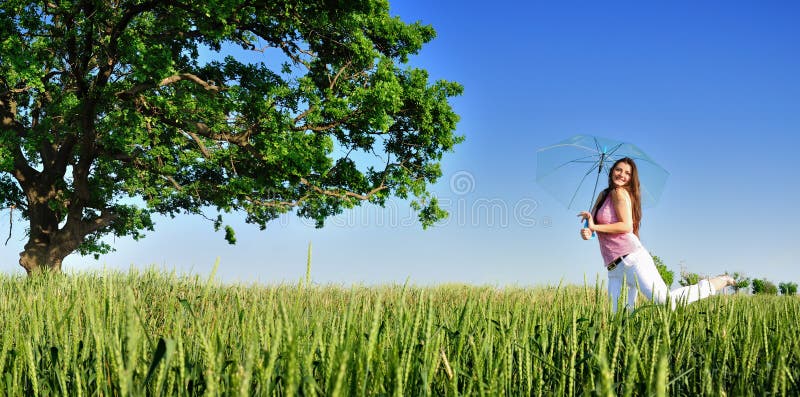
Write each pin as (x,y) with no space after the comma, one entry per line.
(115,110)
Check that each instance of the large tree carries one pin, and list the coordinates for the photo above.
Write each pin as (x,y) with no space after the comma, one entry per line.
(115,110)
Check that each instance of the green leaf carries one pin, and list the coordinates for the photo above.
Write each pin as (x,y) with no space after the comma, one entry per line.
(164,350)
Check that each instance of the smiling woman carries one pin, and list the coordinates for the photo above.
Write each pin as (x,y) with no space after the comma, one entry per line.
(615,218)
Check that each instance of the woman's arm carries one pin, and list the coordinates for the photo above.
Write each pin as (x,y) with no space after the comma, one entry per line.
(621,200)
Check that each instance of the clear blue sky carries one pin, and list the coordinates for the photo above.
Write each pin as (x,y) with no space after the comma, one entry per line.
(710,90)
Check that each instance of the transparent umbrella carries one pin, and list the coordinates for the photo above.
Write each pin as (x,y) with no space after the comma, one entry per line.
(573,170)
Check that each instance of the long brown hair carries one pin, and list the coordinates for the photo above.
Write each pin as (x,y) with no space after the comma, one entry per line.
(633,189)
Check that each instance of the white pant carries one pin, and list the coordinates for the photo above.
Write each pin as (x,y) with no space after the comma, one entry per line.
(638,272)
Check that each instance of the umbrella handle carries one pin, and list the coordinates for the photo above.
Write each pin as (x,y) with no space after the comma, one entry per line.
(586,225)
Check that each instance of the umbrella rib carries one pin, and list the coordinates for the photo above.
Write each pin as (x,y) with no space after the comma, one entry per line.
(594,191)
(612,151)
(581,184)
(566,144)
(578,160)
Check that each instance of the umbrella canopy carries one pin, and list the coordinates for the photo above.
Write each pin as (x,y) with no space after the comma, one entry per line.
(574,169)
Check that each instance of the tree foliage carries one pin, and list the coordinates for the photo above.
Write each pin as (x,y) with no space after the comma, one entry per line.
(688,278)
(113,111)
(788,288)
(764,286)
(742,282)
(667,275)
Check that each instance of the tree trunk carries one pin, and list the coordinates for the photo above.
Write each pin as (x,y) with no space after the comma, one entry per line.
(53,237)
(47,245)
(38,257)
(57,230)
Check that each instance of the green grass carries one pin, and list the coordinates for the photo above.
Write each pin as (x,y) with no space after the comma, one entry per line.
(151,333)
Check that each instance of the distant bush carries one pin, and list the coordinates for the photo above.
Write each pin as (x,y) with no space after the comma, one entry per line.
(764,286)
(666,274)
(688,278)
(742,282)
(788,288)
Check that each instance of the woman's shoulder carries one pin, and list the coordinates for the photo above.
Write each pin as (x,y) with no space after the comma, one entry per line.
(620,193)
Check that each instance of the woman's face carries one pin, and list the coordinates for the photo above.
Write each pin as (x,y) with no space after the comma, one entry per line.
(621,174)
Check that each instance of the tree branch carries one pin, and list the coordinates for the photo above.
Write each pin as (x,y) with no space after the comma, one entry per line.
(23,172)
(131,13)
(190,77)
(200,144)
(324,127)
(199,129)
(114,33)
(8,117)
(76,228)
(15,91)
(88,37)
(10,221)
(282,204)
(106,217)
(304,114)
(241,140)
(137,164)
(338,74)
(331,193)
(289,49)
(167,81)
(174,182)
(343,193)
(65,152)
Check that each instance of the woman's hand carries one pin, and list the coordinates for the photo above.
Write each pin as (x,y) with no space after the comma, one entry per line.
(587,216)
(586,233)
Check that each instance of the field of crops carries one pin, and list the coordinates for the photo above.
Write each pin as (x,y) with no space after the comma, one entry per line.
(151,333)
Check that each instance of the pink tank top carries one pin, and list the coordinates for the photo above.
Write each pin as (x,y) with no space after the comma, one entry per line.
(613,245)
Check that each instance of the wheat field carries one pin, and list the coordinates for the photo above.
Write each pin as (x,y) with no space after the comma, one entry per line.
(145,333)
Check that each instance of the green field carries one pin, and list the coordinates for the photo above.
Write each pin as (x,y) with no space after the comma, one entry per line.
(151,333)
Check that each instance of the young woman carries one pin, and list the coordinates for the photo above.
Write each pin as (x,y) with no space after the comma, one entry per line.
(615,217)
